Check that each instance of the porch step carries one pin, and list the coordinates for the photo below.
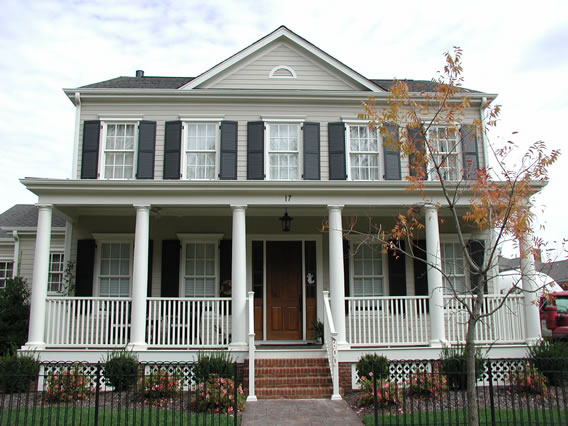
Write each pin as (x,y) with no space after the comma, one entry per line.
(304,378)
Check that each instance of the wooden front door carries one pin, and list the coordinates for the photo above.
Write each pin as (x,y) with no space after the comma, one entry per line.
(284,290)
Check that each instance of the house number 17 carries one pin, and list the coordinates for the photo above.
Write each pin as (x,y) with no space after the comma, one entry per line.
(287,198)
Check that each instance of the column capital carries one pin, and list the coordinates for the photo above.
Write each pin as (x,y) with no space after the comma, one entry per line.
(430,206)
(142,206)
(339,207)
(44,206)
(239,206)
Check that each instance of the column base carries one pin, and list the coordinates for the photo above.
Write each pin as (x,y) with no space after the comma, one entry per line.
(33,346)
(336,397)
(251,398)
(441,343)
(238,347)
(532,341)
(343,345)
(137,347)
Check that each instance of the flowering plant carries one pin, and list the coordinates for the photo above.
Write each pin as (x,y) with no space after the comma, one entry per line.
(217,394)
(68,385)
(159,384)
(528,379)
(427,385)
(388,392)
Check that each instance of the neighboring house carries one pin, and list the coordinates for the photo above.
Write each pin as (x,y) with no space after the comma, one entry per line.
(181,190)
(17,246)
(557,270)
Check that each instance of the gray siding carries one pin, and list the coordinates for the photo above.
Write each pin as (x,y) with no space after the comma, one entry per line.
(27,254)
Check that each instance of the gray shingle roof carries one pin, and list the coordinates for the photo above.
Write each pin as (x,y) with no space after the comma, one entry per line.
(140,83)
(557,270)
(415,85)
(25,216)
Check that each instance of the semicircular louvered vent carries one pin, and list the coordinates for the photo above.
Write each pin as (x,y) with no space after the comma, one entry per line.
(282,71)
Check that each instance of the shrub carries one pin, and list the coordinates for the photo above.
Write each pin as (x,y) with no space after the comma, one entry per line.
(377,364)
(120,370)
(14,314)
(217,394)
(427,385)
(527,379)
(317,331)
(388,392)
(217,363)
(71,384)
(159,384)
(18,372)
(453,366)
(551,359)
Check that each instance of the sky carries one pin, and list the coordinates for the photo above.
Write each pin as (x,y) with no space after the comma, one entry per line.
(519,52)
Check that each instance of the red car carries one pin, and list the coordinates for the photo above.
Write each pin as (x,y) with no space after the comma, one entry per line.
(554,315)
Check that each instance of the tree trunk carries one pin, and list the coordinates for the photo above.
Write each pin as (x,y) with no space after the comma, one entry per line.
(470,354)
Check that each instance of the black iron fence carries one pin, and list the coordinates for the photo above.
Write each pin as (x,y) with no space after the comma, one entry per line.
(89,394)
(433,392)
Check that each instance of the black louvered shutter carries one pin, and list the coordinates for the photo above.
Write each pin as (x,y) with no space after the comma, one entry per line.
(255,150)
(397,273)
(172,150)
(392,153)
(312,151)
(85,268)
(346,278)
(228,164)
(336,137)
(470,152)
(146,149)
(90,150)
(476,249)
(420,271)
(170,268)
(225,261)
(150,261)
(416,135)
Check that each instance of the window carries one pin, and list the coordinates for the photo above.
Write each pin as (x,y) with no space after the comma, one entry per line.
(363,145)
(119,146)
(200,269)
(6,271)
(444,143)
(115,269)
(368,272)
(283,151)
(200,157)
(56,266)
(453,268)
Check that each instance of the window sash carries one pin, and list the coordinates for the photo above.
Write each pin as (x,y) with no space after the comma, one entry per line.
(115,269)
(453,267)
(119,150)
(368,272)
(6,271)
(364,146)
(200,269)
(201,151)
(283,151)
(445,146)
(56,268)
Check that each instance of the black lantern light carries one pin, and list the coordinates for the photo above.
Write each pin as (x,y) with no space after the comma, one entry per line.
(286,221)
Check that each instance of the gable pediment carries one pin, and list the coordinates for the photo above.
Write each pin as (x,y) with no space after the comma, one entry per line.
(282,60)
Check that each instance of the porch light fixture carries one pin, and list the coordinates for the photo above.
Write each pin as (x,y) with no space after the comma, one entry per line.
(286,221)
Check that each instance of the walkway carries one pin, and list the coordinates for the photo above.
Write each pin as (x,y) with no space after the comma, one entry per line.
(299,412)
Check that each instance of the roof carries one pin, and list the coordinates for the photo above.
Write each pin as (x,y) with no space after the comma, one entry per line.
(25,216)
(416,85)
(140,83)
(556,270)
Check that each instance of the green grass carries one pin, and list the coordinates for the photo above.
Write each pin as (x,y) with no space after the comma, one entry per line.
(458,416)
(67,415)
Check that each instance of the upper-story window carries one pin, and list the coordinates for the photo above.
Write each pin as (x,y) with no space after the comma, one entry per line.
(363,145)
(119,149)
(201,151)
(283,151)
(6,271)
(445,145)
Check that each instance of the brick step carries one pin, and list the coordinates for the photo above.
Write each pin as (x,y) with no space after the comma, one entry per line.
(302,362)
(302,382)
(291,372)
(295,393)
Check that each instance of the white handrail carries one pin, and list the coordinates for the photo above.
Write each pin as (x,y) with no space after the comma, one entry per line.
(251,395)
(330,336)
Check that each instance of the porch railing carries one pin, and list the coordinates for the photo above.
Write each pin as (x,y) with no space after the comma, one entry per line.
(330,336)
(389,321)
(188,322)
(506,325)
(87,322)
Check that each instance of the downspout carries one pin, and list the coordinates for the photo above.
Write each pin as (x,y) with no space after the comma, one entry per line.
(16,269)
(74,171)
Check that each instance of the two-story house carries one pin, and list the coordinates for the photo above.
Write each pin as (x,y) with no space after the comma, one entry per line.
(204,209)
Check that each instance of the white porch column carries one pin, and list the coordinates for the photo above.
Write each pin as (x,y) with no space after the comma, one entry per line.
(530,288)
(36,332)
(140,279)
(336,274)
(238,278)
(435,280)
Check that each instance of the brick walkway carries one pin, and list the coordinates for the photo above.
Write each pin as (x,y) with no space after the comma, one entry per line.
(299,412)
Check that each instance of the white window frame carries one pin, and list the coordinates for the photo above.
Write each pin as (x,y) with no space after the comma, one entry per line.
(103,150)
(59,273)
(465,274)
(185,239)
(456,153)
(5,276)
(348,152)
(112,239)
(268,152)
(185,146)
(354,248)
